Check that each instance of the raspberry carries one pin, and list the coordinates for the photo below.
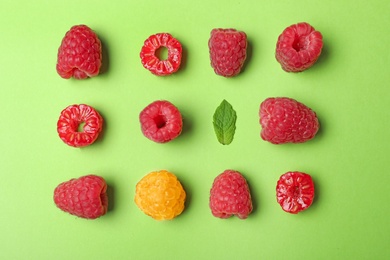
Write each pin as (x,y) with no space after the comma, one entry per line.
(295,191)
(80,53)
(227,51)
(84,197)
(298,47)
(160,195)
(72,118)
(230,195)
(285,120)
(161,121)
(152,62)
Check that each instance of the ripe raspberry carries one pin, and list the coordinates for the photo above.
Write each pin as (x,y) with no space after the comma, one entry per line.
(80,53)
(285,120)
(230,195)
(72,118)
(84,197)
(161,121)
(152,62)
(295,191)
(160,195)
(227,51)
(298,47)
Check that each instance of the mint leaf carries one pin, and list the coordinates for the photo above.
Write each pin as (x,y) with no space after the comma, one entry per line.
(224,121)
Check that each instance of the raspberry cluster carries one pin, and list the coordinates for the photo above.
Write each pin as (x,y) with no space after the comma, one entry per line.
(160,194)
(298,47)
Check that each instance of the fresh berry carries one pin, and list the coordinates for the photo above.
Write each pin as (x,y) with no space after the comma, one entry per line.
(161,121)
(285,120)
(298,47)
(160,195)
(230,195)
(227,49)
(151,60)
(84,197)
(80,53)
(73,118)
(295,191)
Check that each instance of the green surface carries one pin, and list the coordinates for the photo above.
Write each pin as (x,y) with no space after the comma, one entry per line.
(348,159)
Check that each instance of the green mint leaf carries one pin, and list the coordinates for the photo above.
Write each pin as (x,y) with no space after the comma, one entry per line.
(224,121)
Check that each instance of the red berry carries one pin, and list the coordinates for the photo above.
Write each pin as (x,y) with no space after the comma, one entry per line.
(72,118)
(152,62)
(84,197)
(161,121)
(285,120)
(227,51)
(230,195)
(298,47)
(80,53)
(295,191)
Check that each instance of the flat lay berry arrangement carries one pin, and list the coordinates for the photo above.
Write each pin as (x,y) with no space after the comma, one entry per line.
(160,194)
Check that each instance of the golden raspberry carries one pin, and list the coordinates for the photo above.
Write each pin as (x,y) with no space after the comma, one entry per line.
(160,195)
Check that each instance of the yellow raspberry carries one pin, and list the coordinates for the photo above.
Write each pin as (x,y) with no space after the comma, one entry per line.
(160,195)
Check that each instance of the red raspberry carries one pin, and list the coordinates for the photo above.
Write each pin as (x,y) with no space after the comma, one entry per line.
(285,120)
(161,121)
(230,195)
(152,62)
(295,191)
(227,51)
(80,53)
(298,47)
(72,118)
(84,197)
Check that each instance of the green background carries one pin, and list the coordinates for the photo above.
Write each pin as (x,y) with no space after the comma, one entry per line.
(349,158)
